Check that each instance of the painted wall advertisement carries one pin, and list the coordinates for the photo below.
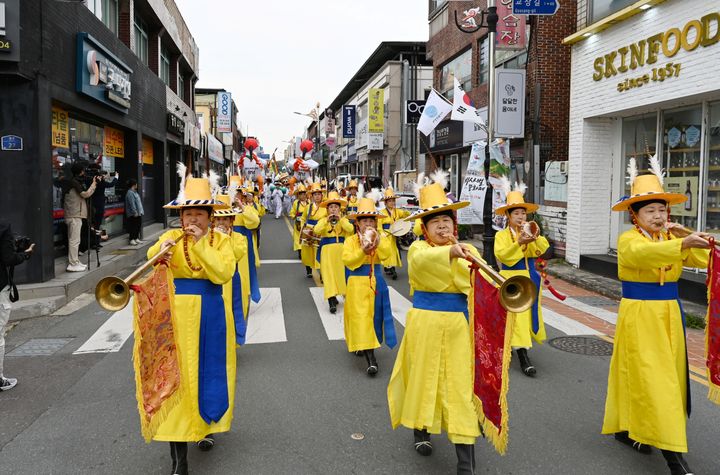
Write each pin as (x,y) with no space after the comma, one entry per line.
(688,186)
(114,142)
(474,187)
(60,128)
(224,112)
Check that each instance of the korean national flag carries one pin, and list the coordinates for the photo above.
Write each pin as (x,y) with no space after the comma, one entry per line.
(462,107)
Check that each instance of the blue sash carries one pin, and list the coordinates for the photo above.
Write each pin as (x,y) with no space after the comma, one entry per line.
(535,277)
(441,302)
(655,291)
(212,366)
(254,283)
(383,317)
(238,310)
(386,226)
(328,240)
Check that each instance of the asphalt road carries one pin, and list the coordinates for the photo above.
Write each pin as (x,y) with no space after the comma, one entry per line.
(299,401)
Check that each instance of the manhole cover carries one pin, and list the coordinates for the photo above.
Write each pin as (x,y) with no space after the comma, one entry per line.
(40,347)
(597,301)
(582,345)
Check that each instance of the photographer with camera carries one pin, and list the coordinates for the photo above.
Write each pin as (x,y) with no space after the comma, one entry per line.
(12,252)
(76,209)
(98,198)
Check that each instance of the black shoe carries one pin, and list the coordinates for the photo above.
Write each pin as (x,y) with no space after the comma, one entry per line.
(207,443)
(387,270)
(308,272)
(676,463)
(525,364)
(178,452)
(423,446)
(466,459)
(6,384)
(372,368)
(359,353)
(625,439)
(393,273)
(332,301)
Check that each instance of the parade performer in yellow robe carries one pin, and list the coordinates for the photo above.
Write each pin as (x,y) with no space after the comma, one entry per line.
(648,398)
(313,213)
(368,315)
(516,249)
(391,214)
(245,223)
(431,386)
(332,230)
(296,214)
(205,334)
(352,198)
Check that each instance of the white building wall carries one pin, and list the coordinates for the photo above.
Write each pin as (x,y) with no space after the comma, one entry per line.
(593,150)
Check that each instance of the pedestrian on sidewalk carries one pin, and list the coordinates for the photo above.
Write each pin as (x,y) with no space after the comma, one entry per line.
(134,212)
(367,315)
(516,249)
(431,386)
(648,396)
(76,209)
(10,256)
(107,180)
(390,216)
(205,331)
(332,230)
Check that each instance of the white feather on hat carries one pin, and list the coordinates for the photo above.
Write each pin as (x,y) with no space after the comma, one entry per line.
(214,180)
(375,194)
(440,177)
(521,187)
(656,169)
(632,171)
(505,184)
(419,183)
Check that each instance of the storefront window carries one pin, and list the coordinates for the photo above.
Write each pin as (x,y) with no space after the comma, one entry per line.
(460,68)
(682,131)
(712,216)
(639,139)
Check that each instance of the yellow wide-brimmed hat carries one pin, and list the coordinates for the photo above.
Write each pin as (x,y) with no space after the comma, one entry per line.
(300,189)
(389,194)
(195,193)
(315,188)
(515,199)
(365,208)
(230,211)
(333,197)
(645,188)
(432,197)
(238,180)
(353,184)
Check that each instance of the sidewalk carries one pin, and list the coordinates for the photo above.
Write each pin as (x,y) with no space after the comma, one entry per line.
(593,301)
(42,299)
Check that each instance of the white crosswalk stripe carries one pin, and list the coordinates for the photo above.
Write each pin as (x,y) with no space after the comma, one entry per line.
(111,335)
(566,325)
(266,323)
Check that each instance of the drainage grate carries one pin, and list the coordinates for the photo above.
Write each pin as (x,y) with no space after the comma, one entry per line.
(582,345)
(598,301)
(40,347)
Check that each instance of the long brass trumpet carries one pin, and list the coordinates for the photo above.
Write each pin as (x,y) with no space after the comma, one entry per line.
(517,293)
(113,293)
(682,231)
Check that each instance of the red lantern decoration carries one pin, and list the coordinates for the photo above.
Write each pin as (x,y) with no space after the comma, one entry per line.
(306,146)
(251,144)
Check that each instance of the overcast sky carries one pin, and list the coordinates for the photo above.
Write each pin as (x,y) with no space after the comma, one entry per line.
(280,56)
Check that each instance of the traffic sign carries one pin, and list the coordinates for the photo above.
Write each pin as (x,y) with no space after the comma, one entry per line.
(535,7)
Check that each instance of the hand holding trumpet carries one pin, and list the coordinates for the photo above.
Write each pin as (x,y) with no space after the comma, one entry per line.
(691,239)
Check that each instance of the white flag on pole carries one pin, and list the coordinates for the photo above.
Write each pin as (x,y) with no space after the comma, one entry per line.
(436,108)
(462,108)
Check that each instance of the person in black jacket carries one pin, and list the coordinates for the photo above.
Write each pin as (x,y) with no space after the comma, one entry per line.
(8,259)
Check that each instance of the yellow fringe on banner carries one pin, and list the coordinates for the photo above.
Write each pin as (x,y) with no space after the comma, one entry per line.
(149,425)
(713,389)
(497,436)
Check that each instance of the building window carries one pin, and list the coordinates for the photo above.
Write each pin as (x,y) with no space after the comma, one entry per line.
(599,9)
(181,88)
(484,64)
(106,11)
(438,23)
(435,5)
(141,39)
(165,66)
(460,68)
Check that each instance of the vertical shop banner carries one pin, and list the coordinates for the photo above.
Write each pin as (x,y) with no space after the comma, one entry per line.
(348,124)
(511,28)
(214,149)
(60,128)
(376,111)
(114,142)
(499,167)
(474,187)
(510,103)
(224,112)
(148,156)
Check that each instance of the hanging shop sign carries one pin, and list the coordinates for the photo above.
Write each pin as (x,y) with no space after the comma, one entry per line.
(348,122)
(446,136)
(101,75)
(665,45)
(60,128)
(148,156)
(413,111)
(114,142)
(376,111)
(214,148)
(175,125)
(511,28)
(10,30)
(510,103)
(375,141)
(224,112)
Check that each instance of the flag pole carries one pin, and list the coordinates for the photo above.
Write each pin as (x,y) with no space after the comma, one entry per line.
(488,231)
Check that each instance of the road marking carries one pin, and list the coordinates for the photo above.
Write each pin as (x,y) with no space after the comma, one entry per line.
(74,305)
(266,323)
(280,261)
(111,335)
(333,324)
(601,313)
(567,325)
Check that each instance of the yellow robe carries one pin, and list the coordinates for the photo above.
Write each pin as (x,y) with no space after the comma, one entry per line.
(509,252)
(307,253)
(240,251)
(431,383)
(296,213)
(647,391)
(184,422)
(251,220)
(359,313)
(332,268)
(389,217)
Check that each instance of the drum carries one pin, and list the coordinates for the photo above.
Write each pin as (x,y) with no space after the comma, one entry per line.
(400,228)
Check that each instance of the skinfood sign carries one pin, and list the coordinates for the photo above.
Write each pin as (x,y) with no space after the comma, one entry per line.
(696,33)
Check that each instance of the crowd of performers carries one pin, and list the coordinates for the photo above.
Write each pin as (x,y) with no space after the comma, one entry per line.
(347,235)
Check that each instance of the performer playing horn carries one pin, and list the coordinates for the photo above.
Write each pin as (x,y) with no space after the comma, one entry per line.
(296,213)
(391,214)
(648,398)
(313,213)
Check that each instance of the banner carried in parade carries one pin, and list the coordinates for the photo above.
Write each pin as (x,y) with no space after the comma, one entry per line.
(436,108)
(712,329)
(492,328)
(155,355)
(474,187)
